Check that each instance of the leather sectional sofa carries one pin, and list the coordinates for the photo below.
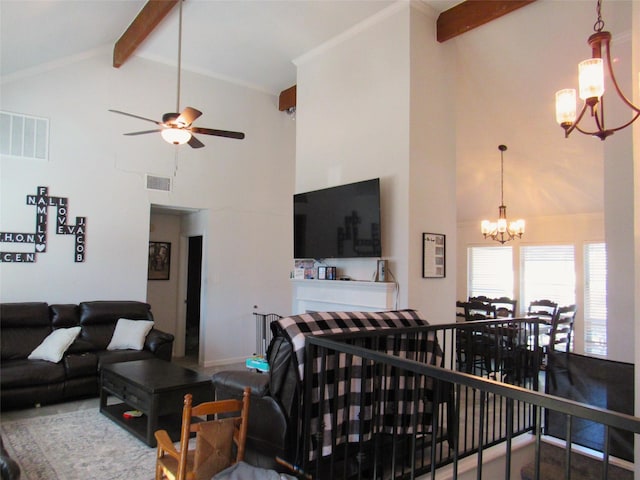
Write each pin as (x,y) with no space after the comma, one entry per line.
(23,326)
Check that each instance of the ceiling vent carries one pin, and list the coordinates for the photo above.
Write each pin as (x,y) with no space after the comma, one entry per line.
(24,136)
(162,184)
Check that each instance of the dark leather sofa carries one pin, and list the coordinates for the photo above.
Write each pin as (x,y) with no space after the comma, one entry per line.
(23,326)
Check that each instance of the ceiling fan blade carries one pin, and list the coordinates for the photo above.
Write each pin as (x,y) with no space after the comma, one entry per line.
(188,116)
(143,132)
(195,143)
(218,133)
(135,116)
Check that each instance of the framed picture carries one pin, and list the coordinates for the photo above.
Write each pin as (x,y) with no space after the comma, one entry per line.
(433,255)
(159,260)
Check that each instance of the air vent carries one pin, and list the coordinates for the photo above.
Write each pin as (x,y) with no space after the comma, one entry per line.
(158,183)
(24,136)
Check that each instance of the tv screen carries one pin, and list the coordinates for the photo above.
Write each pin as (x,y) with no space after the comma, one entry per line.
(338,222)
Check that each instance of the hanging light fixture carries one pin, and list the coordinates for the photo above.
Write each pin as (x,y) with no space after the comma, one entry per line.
(591,83)
(502,231)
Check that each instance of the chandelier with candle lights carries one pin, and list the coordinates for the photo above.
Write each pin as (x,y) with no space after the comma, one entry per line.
(502,230)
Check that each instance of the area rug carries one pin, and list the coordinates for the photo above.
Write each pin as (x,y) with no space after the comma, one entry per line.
(77,445)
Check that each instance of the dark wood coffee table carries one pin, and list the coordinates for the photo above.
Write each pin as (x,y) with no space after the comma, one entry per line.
(157,389)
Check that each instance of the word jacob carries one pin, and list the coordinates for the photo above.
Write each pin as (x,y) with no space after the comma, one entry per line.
(42,202)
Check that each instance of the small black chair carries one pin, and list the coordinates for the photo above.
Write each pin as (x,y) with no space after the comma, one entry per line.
(474,346)
(504,306)
(543,309)
(478,310)
(559,340)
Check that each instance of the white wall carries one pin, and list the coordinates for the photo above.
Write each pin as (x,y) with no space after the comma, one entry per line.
(352,124)
(245,186)
(432,173)
(618,205)
(365,104)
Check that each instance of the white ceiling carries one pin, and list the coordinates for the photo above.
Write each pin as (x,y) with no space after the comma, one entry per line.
(249,42)
(510,78)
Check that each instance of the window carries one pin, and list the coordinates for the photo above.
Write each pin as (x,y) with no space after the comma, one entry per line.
(595,299)
(490,272)
(548,272)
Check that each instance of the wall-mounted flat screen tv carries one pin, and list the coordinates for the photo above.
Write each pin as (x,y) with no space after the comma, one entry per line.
(338,222)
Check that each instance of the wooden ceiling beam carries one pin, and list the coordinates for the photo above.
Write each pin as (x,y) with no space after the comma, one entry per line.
(471,14)
(145,22)
(287,98)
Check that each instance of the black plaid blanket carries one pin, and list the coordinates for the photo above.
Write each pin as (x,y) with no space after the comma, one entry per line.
(347,410)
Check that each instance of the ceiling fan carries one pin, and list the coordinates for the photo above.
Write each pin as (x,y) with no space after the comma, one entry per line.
(177,128)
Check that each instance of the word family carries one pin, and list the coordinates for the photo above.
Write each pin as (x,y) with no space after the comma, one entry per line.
(42,202)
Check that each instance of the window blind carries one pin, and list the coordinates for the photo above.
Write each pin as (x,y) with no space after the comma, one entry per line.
(548,272)
(490,271)
(595,299)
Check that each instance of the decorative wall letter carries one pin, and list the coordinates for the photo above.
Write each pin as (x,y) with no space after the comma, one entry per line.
(42,201)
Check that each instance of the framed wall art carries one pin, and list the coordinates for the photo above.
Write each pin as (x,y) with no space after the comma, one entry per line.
(433,255)
(159,261)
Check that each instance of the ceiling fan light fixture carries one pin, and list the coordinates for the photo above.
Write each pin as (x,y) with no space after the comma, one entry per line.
(176,136)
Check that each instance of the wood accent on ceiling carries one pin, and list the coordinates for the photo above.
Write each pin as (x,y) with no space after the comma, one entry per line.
(471,14)
(147,19)
(287,98)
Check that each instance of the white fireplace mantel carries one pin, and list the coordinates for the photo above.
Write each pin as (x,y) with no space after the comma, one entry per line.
(341,295)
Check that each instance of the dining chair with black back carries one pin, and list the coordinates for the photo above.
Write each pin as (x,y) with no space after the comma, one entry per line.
(480,298)
(559,339)
(543,309)
(478,310)
(473,344)
(505,306)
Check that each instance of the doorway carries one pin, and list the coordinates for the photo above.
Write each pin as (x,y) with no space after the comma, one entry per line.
(194,276)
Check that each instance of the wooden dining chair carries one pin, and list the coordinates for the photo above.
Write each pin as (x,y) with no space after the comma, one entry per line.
(504,307)
(221,433)
(473,346)
(480,298)
(477,310)
(559,340)
(543,309)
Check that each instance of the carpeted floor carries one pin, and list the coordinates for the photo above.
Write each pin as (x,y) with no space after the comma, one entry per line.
(77,445)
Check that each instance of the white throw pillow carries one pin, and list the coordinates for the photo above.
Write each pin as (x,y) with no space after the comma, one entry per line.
(130,334)
(53,347)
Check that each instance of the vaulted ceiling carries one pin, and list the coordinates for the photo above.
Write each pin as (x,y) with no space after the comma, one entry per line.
(507,73)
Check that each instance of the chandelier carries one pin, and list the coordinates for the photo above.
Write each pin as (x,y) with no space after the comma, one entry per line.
(591,87)
(502,231)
